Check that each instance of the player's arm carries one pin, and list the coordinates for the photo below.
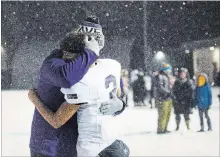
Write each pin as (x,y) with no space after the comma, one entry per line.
(55,119)
(66,74)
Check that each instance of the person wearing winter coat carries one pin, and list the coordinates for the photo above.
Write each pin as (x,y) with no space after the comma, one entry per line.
(183,97)
(164,97)
(125,85)
(153,93)
(139,90)
(203,100)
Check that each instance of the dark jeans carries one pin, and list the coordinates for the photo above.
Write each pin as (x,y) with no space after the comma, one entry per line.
(201,112)
(186,117)
(116,149)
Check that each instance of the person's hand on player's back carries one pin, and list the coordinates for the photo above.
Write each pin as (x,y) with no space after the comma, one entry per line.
(92,44)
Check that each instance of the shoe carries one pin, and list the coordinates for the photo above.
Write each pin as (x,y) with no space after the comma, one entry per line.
(166,131)
(177,128)
(160,132)
(209,129)
(201,130)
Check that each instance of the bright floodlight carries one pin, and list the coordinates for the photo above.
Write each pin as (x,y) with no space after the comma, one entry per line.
(160,55)
(212,48)
(186,51)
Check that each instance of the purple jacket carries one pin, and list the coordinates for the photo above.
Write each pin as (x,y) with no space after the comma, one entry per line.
(54,74)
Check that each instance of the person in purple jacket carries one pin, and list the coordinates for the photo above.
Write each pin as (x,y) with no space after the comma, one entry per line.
(56,73)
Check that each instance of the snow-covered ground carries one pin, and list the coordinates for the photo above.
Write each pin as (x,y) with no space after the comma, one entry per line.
(137,128)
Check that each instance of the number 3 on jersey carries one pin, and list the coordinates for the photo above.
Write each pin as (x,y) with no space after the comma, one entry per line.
(110,83)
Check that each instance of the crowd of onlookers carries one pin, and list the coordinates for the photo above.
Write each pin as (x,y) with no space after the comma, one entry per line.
(168,88)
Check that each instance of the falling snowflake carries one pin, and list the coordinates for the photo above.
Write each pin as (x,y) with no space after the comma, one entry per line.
(140,8)
(126,5)
(5,16)
(5,43)
(14,13)
(38,4)
(206,33)
(161,6)
(107,14)
(181,8)
(26,37)
(41,28)
(126,27)
(172,9)
(184,3)
(167,10)
(37,15)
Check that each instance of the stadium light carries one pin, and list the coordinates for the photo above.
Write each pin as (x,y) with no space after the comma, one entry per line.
(159,55)
(212,48)
(186,51)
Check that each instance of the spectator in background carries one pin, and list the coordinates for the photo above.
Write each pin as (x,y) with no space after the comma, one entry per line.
(134,76)
(163,90)
(139,90)
(153,92)
(203,99)
(6,72)
(183,97)
(215,74)
(125,84)
(217,82)
(176,72)
(148,84)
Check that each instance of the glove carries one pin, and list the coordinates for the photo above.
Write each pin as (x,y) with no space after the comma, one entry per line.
(111,106)
(91,44)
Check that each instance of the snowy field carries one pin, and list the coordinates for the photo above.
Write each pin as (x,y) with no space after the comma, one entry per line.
(137,128)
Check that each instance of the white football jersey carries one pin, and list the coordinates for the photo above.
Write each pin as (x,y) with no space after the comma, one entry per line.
(93,89)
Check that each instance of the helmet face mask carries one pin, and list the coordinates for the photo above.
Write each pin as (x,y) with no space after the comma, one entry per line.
(95,32)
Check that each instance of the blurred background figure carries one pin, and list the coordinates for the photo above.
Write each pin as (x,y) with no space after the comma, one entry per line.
(148,86)
(133,76)
(153,92)
(139,90)
(125,84)
(183,97)
(203,100)
(163,89)
(176,72)
(5,70)
(215,74)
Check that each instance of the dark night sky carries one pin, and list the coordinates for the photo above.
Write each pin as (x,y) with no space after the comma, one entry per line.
(172,23)
(169,23)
